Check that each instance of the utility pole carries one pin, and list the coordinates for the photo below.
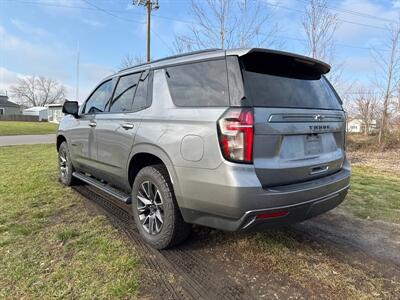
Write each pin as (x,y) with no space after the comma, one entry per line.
(149,5)
(77,72)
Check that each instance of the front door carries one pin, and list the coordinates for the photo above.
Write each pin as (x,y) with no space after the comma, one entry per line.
(82,146)
(83,135)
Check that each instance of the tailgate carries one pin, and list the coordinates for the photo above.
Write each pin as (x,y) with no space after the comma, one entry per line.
(298,118)
(295,145)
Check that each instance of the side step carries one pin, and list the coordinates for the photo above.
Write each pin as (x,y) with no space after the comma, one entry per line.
(104,187)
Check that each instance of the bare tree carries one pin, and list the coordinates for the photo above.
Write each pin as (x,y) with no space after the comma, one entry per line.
(320,26)
(130,61)
(387,78)
(38,91)
(227,24)
(366,107)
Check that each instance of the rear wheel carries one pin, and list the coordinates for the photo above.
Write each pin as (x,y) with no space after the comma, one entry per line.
(155,210)
(65,165)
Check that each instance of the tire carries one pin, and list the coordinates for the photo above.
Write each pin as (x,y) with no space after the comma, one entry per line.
(65,166)
(153,197)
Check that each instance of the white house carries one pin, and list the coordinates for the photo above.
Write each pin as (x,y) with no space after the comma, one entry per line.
(39,111)
(55,112)
(358,126)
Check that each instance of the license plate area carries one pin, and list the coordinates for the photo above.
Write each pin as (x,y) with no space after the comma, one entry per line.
(312,144)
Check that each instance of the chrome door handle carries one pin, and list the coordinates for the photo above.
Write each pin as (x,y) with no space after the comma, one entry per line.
(92,124)
(128,126)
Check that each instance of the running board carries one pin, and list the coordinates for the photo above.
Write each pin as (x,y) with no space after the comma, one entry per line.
(103,187)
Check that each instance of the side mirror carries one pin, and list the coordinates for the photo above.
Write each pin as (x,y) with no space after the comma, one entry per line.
(71,108)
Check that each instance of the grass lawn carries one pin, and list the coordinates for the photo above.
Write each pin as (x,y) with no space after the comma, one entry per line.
(374,194)
(19,128)
(49,246)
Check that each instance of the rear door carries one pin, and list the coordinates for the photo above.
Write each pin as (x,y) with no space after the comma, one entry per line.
(299,121)
(116,130)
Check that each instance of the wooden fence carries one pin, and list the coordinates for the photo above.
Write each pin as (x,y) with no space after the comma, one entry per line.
(19,118)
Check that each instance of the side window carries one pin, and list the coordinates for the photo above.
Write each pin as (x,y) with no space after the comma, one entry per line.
(141,93)
(199,84)
(124,93)
(98,100)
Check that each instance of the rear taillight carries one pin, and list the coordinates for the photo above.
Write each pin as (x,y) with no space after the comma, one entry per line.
(236,129)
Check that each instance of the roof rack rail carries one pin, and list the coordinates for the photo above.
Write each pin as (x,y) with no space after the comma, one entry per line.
(172,57)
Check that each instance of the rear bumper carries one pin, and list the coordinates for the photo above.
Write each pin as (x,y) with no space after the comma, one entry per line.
(230,197)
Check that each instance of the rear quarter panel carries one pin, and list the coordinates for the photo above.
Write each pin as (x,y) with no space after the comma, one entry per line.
(186,137)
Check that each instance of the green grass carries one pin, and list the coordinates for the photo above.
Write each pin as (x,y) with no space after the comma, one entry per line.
(49,246)
(374,194)
(19,128)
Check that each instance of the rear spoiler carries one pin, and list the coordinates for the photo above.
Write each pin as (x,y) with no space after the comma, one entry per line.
(297,61)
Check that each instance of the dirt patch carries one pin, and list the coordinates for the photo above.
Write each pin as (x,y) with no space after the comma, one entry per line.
(387,161)
(333,256)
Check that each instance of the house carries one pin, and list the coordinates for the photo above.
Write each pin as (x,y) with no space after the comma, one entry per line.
(39,111)
(357,125)
(55,112)
(8,108)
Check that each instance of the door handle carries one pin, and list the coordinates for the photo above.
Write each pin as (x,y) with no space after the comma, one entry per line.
(127,126)
(92,124)
(318,170)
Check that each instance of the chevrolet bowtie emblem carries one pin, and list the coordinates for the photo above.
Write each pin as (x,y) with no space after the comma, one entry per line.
(318,118)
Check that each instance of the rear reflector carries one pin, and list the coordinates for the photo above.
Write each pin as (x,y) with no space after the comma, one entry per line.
(272,215)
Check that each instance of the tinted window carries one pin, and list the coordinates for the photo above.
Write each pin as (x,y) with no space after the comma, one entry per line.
(124,93)
(235,80)
(141,93)
(98,100)
(288,86)
(199,84)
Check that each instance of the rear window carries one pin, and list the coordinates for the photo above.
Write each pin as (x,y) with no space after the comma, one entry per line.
(124,92)
(286,85)
(200,84)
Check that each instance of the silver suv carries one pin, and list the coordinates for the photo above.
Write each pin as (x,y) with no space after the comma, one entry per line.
(234,140)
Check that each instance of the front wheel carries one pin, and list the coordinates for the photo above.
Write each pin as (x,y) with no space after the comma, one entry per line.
(65,165)
(155,210)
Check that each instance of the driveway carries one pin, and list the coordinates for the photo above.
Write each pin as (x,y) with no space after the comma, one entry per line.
(11,140)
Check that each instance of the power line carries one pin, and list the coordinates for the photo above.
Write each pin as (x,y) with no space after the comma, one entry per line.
(111,13)
(177,20)
(342,20)
(356,13)
(162,40)
(94,9)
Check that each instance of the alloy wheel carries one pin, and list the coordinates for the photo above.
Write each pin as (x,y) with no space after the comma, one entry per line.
(150,207)
(63,161)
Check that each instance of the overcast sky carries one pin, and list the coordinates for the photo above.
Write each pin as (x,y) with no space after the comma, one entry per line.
(41,37)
